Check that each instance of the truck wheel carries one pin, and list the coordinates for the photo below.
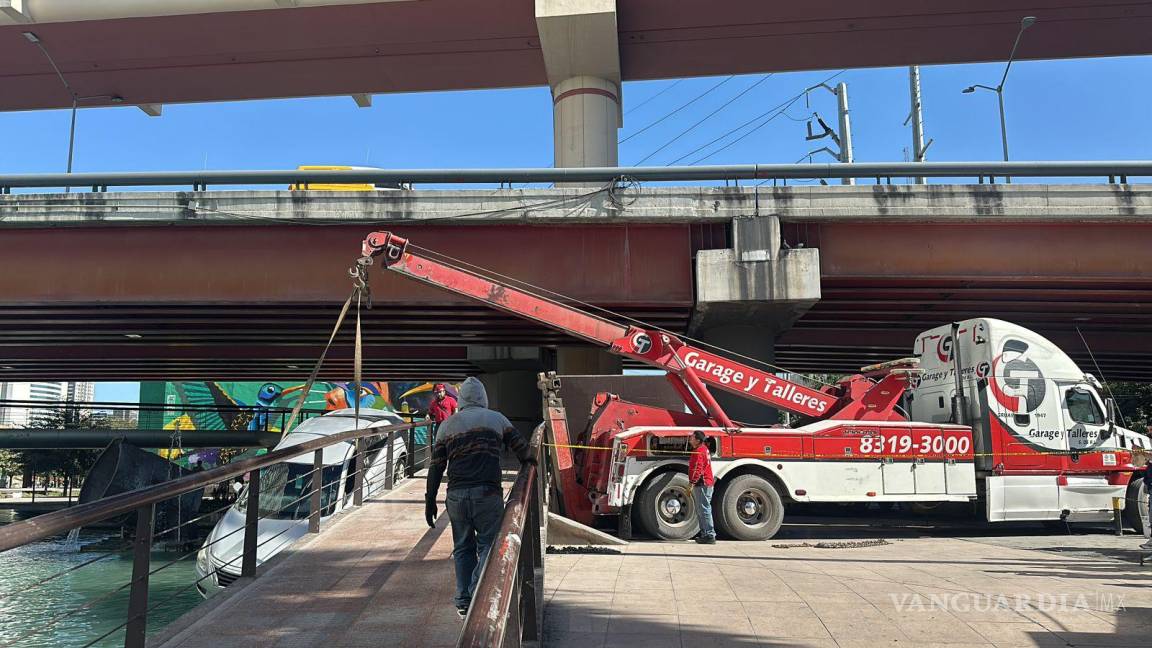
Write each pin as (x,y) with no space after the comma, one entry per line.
(749,508)
(664,507)
(1136,506)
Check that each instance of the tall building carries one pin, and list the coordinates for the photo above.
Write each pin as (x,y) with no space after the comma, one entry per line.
(49,393)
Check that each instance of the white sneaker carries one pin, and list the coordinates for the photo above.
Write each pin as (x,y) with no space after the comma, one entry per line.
(1146,545)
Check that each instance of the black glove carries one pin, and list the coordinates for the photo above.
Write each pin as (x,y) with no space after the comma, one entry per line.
(430,510)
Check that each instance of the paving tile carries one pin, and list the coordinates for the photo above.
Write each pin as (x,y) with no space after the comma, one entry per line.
(1026,634)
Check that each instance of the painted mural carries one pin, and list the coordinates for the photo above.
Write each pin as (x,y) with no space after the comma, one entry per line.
(240,405)
(191,406)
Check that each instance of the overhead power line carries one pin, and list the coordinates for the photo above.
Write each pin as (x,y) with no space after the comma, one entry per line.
(655,96)
(770,114)
(705,118)
(682,107)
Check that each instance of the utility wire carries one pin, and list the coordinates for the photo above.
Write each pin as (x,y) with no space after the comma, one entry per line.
(649,99)
(705,118)
(682,107)
(779,108)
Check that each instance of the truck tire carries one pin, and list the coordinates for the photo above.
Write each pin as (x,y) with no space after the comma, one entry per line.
(748,508)
(1136,506)
(664,507)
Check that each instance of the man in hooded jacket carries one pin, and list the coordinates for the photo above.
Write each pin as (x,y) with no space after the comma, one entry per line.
(468,445)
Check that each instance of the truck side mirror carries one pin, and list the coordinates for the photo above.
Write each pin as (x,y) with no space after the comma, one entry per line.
(1110,406)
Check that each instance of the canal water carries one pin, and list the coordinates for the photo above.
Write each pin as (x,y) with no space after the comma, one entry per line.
(24,609)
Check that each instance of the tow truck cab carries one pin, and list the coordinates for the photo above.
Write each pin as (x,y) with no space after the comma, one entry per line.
(1046,441)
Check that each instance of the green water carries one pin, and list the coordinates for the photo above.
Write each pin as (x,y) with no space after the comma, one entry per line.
(23,610)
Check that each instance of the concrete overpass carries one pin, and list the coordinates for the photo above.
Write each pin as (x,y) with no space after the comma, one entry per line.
(152,52)
(156,51)
(246,284)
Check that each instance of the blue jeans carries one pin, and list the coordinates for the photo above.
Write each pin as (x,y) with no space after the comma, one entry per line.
(702,496)
(475,515)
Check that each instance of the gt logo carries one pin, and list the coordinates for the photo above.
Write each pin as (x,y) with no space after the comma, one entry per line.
(641,343)
(983,369)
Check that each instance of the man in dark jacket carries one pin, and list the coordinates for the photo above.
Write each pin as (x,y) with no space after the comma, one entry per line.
(468,444)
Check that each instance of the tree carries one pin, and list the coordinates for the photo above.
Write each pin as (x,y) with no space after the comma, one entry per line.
(65,465)
(1133,403)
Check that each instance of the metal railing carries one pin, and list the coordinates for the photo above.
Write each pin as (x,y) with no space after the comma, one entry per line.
(1114,170)
(142,503)
(508,605)
(69,412)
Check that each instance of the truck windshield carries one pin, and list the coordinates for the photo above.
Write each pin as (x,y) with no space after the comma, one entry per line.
(284,490)
(1082,407)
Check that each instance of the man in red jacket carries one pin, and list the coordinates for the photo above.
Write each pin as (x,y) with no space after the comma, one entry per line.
(700,475)
(442,405)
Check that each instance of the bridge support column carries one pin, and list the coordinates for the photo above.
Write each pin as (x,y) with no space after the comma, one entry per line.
(587,361)
(578,40)
(748,295)
(509,377)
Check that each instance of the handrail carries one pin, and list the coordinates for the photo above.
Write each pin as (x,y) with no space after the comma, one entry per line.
(143,502)
(508,605)
(57,522)
(100,181)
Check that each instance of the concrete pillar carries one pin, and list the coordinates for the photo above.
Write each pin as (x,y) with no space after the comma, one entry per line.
(585,118)
(587,361)
(509,377)
(514,394)
(579,43)
(750,294)
(756,339)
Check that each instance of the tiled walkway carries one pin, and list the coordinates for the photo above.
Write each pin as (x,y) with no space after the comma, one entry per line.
(912,592)
(378,577)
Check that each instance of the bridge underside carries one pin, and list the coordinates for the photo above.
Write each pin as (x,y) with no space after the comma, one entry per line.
(462,44)
(258,302)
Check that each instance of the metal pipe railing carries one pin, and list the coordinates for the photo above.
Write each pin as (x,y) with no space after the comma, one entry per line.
(508,605)
(142,502)
(199,180)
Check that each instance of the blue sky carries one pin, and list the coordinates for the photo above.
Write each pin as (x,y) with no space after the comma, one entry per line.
(1074,109)
(1057,110)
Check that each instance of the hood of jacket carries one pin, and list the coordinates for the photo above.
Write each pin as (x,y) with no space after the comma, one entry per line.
(473,394)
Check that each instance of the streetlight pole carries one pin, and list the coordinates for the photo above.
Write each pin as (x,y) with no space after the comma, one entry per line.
(1025,23)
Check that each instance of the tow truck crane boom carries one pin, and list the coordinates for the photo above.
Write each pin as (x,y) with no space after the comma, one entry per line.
(690,370)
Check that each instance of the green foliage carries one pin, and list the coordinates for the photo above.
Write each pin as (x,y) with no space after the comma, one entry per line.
(1134,403)
(65,463)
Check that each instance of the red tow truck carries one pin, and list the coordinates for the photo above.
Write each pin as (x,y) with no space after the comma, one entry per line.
(856,442)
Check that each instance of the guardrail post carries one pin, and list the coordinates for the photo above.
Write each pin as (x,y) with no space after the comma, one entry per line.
(410,452)
(317,490)
(135,632)
(532,570)
(389,478)
(358,480)
(251,524)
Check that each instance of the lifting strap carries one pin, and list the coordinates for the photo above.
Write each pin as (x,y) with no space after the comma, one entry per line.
(320,361)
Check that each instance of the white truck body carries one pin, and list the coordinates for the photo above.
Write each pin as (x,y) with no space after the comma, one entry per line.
(1046,447)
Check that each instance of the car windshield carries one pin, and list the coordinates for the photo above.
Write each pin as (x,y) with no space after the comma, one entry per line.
(285,490)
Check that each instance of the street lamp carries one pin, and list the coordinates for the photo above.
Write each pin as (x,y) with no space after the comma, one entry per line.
(76,98)
(1027,22)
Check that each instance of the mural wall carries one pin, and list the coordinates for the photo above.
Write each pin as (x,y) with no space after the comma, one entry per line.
(238,405)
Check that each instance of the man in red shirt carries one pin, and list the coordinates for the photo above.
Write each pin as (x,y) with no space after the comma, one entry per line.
(442,405)
(700,475)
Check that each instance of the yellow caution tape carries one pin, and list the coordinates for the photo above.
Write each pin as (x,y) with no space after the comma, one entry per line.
(775,455)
